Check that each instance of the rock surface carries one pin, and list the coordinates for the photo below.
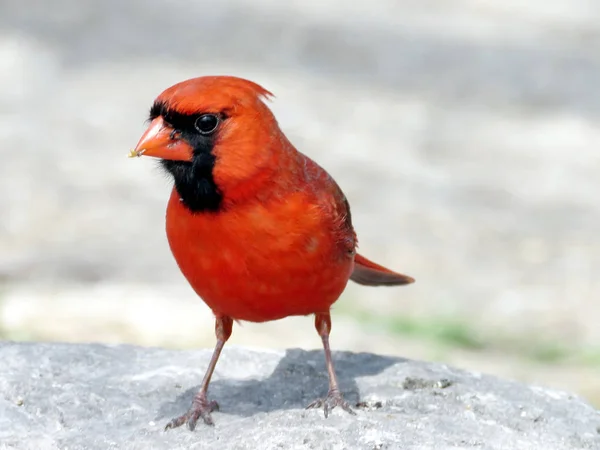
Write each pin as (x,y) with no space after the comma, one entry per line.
(59,396)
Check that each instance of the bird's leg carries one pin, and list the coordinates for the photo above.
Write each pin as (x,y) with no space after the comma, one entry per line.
(334,396)
(201,407)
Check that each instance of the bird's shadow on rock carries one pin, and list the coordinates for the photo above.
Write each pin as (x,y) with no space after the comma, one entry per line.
(299,378)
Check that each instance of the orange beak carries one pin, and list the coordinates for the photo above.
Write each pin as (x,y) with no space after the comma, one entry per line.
(162,141)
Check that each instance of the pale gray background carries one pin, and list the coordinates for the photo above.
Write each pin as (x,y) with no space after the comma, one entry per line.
(464,132)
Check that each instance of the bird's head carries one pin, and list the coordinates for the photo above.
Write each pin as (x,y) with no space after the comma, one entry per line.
(212,134)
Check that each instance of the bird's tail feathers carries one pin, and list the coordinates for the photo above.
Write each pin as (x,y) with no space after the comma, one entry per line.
(369,273)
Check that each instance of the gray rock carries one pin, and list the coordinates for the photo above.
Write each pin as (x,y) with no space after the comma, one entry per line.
(63,396)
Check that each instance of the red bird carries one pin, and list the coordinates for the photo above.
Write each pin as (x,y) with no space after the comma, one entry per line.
(259,230)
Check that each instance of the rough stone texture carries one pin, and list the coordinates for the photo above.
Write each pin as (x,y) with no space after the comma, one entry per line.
(64,396)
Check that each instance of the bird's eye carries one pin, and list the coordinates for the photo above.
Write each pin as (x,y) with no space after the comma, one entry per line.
(206,123)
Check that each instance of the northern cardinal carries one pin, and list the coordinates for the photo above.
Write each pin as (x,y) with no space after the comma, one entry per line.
(259,230)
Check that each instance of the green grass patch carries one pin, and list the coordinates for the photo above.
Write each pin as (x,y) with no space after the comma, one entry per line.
(449,332)
(440,330)
(446,331)
(548,353)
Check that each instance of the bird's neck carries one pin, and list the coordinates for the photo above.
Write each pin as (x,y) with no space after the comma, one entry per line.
(270,176)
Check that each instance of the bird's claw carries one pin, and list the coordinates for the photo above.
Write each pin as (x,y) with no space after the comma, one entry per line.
(200,408)
(334,398)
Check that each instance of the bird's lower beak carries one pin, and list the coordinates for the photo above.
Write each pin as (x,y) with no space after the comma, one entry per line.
(160,140)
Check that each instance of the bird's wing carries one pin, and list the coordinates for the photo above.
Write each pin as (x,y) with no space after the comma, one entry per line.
(333,204)
(336,206)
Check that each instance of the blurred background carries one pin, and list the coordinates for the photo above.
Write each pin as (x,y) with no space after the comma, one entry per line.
(465,134)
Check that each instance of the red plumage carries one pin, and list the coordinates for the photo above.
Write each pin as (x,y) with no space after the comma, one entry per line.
(259,230)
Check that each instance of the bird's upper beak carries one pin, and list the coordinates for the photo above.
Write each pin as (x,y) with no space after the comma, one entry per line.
(160,140)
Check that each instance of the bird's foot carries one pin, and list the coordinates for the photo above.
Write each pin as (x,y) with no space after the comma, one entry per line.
(201,407)
(334,398)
